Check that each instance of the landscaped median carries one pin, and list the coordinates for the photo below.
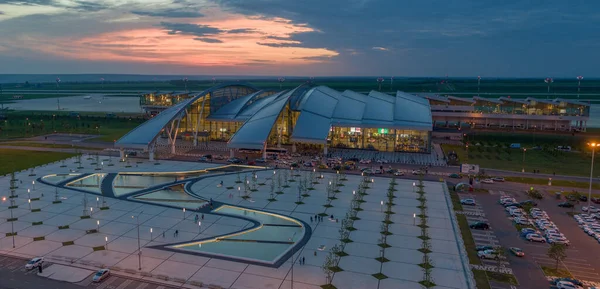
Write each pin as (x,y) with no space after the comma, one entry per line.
(557,183)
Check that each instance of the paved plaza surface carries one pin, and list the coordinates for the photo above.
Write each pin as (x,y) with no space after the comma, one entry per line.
(116,242)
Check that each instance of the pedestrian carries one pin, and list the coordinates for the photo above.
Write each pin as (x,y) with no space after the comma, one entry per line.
(311,219)
(303,260)
(163,234)
(202,217)
(176,233)
(196,218)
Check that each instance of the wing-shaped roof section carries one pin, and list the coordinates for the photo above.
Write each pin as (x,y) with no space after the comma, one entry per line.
(316,110)
(412,112)
(254,132)
(230,110)
(145,133)
(350,109)
(379,110)
(249,110)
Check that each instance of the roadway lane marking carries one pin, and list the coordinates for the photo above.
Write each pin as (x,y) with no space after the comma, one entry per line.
(142,286)
(107,282)
(124,284)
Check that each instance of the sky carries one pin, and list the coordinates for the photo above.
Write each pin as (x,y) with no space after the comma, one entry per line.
(458,38)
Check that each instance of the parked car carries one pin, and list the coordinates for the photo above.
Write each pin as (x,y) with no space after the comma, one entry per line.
(455,176)
(498,179)
(595,200)
(592,209)
(565,285)
(398,173)
(487,254)
(487,181)
(234,160)
(512,205)
(260,160)
(416,172)
(517,251)
(529,202)
(566,279)
(468,202)
(566,205)
(480,225)
(535,238)
(34,263)
(483,248)
(101,275)
(203,159)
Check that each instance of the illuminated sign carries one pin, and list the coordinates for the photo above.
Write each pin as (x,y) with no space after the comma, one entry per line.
(382,130)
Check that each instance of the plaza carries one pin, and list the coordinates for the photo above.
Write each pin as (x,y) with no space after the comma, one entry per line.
(83,228)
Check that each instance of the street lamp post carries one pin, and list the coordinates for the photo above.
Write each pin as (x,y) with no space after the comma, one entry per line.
(150,234)
(414,219)
(97,225)
(523,163)
(199,227)
(478,82)
(579,78)
(414,184)
(29,204)
(28,193)
(467,146)
(184,213)
(137,218)
(548,80)
(593,145)
(382,206)
(33,183)
(97,201)
(106,242)
(91,211)
(12,226)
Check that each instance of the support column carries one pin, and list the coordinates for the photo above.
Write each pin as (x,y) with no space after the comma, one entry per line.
(325,149)
(121,153)
(264,151)
(231,154)
(293,147)
(151,155)
(173,147)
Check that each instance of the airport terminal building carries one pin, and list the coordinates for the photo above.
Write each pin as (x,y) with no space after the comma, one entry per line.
(246,117)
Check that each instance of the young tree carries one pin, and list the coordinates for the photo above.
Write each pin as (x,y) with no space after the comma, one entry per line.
(557,252)
(327,268)
(500,255)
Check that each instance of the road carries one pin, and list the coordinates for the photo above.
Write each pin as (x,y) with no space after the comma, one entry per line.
(13,275)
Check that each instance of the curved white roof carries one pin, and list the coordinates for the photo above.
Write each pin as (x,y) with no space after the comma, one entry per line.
(255,131)
(317,109)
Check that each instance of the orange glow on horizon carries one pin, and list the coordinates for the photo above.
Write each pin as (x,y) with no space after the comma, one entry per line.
(155,45)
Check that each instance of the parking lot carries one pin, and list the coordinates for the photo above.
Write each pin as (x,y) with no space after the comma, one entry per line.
(582,251)
(580,254)
(14,275)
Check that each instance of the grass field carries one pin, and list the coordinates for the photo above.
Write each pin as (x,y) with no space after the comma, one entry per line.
(29,124)
(47,145)
(16,160)
(563,163)
(521,88)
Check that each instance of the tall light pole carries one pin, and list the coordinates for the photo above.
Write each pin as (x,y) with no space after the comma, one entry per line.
(579,78)
(523,163)
(379,81)
(280,80)
(593,145)
(392,83)
(12,226)
(185,80)
(548,80)
(33,183)
(478,83)
(137,218)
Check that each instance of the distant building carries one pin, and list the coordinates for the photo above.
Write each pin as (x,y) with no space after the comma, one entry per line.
(509,113)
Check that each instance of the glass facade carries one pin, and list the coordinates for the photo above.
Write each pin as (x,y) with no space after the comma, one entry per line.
(199,110)
(380,139)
